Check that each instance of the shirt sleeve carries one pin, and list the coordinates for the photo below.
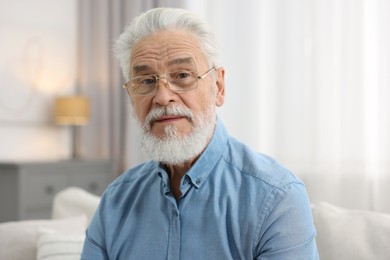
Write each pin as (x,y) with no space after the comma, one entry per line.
(286,228)
(94,244)
(92,251)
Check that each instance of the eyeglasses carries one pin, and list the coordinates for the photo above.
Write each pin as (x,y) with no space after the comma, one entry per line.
(179,81)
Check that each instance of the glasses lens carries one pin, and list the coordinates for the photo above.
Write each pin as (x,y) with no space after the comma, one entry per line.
(178,81)
(143,85)
(182,80)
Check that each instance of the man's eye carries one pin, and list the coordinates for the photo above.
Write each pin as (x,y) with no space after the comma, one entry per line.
(181,75)
(147,81)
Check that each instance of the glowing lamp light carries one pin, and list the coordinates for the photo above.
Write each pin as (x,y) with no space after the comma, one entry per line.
(71,110)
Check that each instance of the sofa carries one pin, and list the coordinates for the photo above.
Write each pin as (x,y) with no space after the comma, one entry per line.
(341,233)
(58,238)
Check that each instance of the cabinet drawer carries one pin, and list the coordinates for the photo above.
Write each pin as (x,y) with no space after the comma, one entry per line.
(95,183)
(27,189)
(38,189)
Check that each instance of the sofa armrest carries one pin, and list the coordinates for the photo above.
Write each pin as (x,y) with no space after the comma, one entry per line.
(351,234)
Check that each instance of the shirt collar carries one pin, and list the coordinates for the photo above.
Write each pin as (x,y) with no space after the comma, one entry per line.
(202,168)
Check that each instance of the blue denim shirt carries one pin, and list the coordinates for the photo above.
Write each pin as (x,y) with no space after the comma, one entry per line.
(235,204)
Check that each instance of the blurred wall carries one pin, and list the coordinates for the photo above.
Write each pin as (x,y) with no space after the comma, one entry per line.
(38,50)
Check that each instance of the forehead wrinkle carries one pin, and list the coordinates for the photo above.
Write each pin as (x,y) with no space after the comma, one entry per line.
(164,49)
(180,59)
(185,60)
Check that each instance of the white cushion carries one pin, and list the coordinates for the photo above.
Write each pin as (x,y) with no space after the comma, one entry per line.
(18,240)
(351,234)
(55,245)
(74,201)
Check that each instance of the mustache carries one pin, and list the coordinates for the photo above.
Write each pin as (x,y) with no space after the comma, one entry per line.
(158,112)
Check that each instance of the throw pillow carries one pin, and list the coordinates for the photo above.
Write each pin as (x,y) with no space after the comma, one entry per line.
(54,245)
(74,201)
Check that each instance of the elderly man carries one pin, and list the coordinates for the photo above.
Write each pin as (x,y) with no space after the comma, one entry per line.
(204,195)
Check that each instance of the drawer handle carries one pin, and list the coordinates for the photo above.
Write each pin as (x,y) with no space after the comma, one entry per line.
(49,190)
(93,186)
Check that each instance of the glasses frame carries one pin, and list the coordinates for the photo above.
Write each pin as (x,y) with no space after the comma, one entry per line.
(162,76)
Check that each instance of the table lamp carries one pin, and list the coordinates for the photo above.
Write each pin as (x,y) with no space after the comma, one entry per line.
(72,111)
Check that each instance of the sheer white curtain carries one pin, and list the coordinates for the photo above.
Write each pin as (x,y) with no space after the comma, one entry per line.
(308,82)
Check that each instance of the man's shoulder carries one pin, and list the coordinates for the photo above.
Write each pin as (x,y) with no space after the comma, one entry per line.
(258,166)
(134,175)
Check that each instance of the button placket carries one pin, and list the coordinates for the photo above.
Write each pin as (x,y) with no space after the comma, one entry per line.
(174,236)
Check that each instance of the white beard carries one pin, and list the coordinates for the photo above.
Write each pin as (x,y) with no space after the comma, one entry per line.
(174,149)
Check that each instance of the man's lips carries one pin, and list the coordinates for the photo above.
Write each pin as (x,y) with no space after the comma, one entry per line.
(167,119)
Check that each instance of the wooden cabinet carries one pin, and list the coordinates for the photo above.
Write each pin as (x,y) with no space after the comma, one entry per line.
(27,189)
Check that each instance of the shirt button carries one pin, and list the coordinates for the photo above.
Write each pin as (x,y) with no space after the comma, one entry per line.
(198,181)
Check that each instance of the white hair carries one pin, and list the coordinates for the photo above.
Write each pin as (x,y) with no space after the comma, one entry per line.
(159,19)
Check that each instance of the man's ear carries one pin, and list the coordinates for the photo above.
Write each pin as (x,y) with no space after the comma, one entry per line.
(220,82)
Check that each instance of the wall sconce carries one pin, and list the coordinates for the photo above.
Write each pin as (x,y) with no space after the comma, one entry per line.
(72,111)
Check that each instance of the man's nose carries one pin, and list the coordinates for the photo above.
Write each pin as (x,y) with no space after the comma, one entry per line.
(163,95)
(162,80)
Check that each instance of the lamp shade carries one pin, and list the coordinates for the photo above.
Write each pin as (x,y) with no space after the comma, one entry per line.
(71,110)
